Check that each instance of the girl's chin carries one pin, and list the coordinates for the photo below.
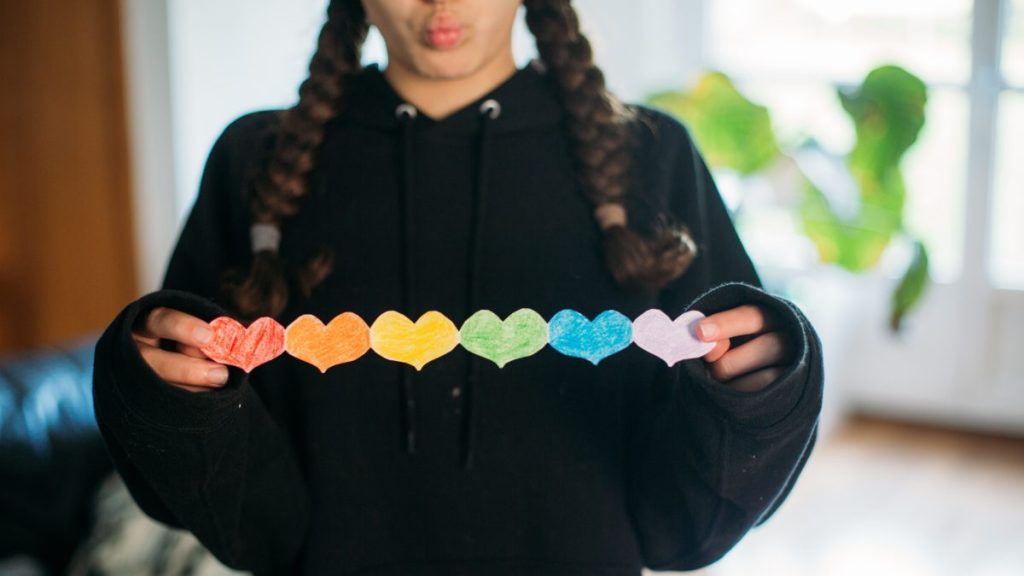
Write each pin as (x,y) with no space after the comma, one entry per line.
(443,66)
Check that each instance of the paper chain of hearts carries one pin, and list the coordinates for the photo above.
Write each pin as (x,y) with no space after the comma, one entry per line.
(393,336)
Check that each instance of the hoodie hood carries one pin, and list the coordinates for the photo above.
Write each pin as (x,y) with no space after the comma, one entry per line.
(528,101)
(524,101)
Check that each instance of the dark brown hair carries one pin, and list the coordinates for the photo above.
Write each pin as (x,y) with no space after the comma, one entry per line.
(598,127)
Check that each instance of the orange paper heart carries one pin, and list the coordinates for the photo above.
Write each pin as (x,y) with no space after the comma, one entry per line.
(395,337)
(343,339)
(244,347)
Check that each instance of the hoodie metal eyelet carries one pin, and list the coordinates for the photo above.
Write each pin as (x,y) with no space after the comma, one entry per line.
(491,107)
(405,109)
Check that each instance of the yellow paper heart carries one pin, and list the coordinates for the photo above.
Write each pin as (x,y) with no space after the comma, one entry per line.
(395,337)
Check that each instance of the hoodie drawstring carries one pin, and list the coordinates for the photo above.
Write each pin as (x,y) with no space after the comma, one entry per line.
(489,110)
(407,114)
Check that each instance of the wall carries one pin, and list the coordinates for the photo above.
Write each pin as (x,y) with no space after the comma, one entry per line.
(67,262)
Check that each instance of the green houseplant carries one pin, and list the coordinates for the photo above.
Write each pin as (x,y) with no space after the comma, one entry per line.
(887,111)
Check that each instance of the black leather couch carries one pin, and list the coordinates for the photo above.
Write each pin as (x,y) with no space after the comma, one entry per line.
(52,458)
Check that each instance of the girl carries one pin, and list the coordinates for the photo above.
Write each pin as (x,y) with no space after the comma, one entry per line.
(454,181)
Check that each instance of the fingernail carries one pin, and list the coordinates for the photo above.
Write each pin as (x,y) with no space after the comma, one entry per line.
(218,375)
(202,334)
(708,331)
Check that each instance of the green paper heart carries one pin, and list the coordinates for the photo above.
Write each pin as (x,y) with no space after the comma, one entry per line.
(522,334)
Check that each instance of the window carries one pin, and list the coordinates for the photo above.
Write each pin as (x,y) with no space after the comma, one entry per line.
(1007,240)
(792,55)
(839,40)
(964,179)
(1013,47)
(1007,233)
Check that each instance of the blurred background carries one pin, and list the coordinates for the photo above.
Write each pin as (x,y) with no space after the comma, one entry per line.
(870,153)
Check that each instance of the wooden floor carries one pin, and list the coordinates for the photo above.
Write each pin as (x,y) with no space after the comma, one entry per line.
(880,498)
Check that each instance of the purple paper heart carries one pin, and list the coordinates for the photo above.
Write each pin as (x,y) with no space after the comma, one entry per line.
(670,340)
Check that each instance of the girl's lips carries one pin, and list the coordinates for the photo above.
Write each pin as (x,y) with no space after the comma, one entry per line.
(444,31)
(444,37)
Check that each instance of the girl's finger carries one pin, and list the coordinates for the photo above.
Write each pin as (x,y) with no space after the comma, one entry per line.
(756,380)
(169,324)
(721,347)
(179,369)
(738,321)
(190,351)
(139,338)
(763,351)
(192,388)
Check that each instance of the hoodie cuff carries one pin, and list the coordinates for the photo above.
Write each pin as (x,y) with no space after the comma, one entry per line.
(772,405)
(147,395)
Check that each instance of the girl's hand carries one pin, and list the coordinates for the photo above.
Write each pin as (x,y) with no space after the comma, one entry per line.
(754,364)
(186,368)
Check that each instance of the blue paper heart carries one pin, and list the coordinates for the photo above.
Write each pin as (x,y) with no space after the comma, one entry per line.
(572,334)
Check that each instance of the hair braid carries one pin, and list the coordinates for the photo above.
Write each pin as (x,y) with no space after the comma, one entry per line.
(599,130)
(282,180)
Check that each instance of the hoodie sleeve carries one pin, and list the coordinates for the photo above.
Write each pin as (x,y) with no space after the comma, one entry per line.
(217,463)
(710,462)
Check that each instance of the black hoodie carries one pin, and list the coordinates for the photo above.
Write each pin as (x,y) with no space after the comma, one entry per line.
(550,465)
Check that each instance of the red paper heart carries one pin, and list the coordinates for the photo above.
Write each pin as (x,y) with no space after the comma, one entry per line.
(244,347)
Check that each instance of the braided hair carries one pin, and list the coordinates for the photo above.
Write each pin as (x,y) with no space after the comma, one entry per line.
(599,129)
(597,123)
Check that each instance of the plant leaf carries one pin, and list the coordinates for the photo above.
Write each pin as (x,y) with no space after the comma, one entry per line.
(911,287)
(731,131)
